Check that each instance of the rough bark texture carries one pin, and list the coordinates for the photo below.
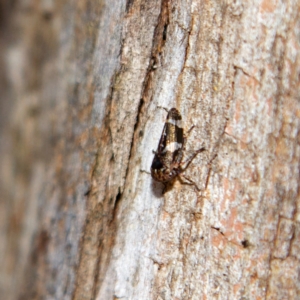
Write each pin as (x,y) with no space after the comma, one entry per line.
(82,93)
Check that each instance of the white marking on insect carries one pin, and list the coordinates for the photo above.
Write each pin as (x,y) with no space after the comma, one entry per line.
(171,147)
(177,123)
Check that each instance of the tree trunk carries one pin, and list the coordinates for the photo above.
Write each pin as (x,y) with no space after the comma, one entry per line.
(82,97)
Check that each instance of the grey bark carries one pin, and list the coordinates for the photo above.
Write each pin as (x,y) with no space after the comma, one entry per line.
(82,97)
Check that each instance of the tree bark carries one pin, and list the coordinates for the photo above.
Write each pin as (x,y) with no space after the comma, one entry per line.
(82,97)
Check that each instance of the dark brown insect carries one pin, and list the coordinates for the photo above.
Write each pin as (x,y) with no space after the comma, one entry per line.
(167,162)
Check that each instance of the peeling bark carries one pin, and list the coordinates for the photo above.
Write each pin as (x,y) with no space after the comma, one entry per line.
(81,111)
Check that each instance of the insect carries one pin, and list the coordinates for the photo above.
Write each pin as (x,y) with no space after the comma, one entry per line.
(167,162)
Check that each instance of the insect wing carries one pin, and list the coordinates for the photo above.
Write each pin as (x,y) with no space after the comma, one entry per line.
(174,136)
(168,156)
(163,140)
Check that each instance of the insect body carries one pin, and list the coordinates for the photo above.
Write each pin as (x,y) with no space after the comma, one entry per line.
(167,162)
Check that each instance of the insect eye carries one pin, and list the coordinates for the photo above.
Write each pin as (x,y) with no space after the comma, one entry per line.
(156,164)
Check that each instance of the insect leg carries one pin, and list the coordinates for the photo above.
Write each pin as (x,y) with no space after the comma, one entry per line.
(163,108)
(189,131)
(185,136)
(191,182)
(187,162)
(144,171)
